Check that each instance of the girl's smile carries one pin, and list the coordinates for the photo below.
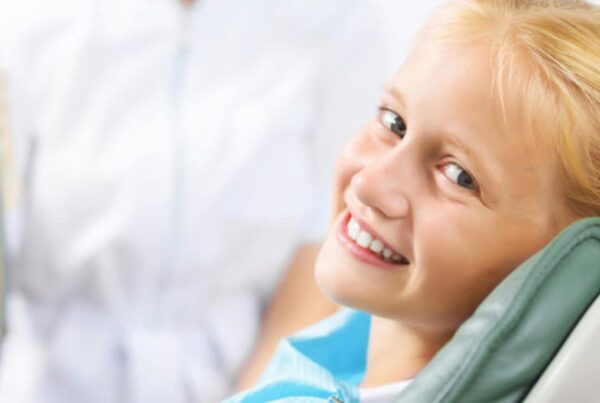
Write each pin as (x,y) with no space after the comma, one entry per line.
(366,245)
(439,196)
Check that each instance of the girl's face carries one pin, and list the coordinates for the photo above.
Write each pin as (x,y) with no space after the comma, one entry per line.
(437,199)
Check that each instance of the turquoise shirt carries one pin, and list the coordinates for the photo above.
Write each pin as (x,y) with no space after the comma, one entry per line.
(324,363)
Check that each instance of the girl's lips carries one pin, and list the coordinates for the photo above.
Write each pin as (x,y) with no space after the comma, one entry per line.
(358,251)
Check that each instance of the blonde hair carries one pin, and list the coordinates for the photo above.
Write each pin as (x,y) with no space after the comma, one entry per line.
(547,57)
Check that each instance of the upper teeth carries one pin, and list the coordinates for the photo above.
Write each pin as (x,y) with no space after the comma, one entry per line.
(367,241)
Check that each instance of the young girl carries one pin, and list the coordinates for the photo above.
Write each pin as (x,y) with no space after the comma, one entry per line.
(486,145)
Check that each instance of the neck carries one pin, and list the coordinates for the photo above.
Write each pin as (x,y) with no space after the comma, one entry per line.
(398,351)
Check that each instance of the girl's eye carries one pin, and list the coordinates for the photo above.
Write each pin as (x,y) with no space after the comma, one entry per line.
(458,175)
(392,121)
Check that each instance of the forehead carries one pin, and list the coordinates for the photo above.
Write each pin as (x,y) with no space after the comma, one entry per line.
(451,82)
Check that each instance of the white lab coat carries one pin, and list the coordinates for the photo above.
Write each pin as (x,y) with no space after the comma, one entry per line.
(169,163)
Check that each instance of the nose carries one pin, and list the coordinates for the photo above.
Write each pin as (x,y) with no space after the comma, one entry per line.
(383,185)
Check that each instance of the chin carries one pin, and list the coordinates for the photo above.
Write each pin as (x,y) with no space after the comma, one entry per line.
(339,284)
(330,278)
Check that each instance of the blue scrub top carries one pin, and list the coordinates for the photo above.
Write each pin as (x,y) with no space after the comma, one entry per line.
(324,363)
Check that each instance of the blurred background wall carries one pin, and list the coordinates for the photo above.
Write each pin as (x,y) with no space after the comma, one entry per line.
(399,22)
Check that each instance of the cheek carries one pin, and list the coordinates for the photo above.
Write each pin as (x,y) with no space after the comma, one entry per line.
(446,234)
(457,264)
(353,158)
(462,259)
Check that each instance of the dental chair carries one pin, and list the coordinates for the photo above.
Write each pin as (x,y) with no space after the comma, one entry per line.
(536,337)
(574,374)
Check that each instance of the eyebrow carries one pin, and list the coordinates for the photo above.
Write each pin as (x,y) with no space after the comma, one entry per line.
(392,90)
(475,161)
(457,143)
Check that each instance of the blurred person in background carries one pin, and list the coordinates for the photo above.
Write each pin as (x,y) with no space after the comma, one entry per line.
(171,165)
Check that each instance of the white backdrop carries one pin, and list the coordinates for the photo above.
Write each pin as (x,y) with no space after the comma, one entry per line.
(400,21)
